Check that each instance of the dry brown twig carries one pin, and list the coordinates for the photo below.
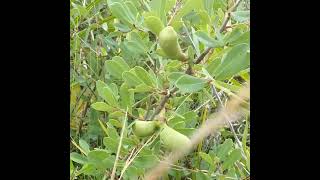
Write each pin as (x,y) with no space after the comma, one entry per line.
(209,127)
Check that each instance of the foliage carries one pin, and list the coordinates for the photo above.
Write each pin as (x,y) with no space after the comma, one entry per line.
(119,74)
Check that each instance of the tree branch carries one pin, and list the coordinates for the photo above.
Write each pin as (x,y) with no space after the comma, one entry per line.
(189,70)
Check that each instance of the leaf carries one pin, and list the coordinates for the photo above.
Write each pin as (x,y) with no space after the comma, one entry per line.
(84,145)
(236,60)
(186,131)
(201,176)
(190,84)
(145,161)
(232,36)
(135,47)
(132,10)
(112,132)
(115,123)
(127,97)
(111,144)
(78,158)
(224,149)
(144,76)
(179,125)
(119,10)
(116,66)
(71,167)
(206,157)
(208,41)
(116,114)
(175,76)
(114,89)
(106,93)
(105,26)
(131,173)
(131,79)
(231,87)
(97,155)
(102,106)
(190,118)
(143,88)
(232,158)
(187,7)
(99,158)
(154,24)
(213,65)
(241,16)
(158,7)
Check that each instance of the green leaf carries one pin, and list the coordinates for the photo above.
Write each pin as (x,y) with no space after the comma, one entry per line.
(71,167)
(120,11)
(207,40)
(154,24)
(213,65)
(158,7)
(78,158)
(145,161)
(112,132)
(132,10)
(234,156)
(135,47)
(190,84)
(116,114)
(236,60)
(97,155)
(112,145)
(232,36)
(202,176)
(114,89)
(187,7)
(99,158)
(84,145)
(206,157)
(127,97)
(175,76)
(143,88)
(179,125)
(241,16)
(115,123)
(102,106)
(132,173)
(186,131)
(116,66)
(144,76)
(106,93)
(131,79)
(224,149)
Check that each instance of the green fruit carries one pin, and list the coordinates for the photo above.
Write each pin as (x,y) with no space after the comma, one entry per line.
(144,128)
(172,139)
(168,40)
(154,24)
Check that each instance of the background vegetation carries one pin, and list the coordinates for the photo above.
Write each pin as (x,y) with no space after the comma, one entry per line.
(118,68)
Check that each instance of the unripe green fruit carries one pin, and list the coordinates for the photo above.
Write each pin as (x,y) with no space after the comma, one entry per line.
(168,40)
(144,128)
(172,139)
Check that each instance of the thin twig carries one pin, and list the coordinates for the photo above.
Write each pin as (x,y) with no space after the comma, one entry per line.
(207,128)
(135,155)
(230,124)
(228,16)
(202,55)
(175,11)
(199,59)
(119,147)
